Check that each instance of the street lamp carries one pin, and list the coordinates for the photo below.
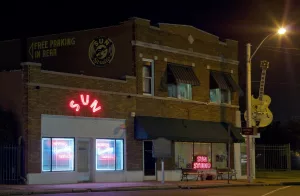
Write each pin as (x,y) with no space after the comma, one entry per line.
(248,100)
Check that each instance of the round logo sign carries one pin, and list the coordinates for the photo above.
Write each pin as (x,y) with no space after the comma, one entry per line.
(101,51)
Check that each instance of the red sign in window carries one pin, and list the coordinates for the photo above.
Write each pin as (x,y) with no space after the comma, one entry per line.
(201,163)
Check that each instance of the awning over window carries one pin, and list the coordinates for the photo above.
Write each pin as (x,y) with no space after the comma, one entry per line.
(220,80)
(234,86)
(149,128)
(224,81)
(182,74)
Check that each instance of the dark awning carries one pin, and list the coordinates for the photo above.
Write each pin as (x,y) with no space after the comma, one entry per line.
(234,86)
(219,78)
(149,128)
(224,80)
(182,74)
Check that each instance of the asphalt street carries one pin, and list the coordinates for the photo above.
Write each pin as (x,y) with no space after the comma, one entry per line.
(230,191)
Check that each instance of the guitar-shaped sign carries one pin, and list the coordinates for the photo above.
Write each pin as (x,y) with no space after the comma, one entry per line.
(261,114)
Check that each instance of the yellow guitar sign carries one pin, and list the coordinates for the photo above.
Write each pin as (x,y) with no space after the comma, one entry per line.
(261,114)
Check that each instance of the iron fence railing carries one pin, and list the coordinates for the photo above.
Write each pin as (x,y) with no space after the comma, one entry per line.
(11,164)
(273,157)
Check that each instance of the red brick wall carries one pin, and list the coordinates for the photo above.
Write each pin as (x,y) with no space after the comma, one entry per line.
(51,98)
(120,98)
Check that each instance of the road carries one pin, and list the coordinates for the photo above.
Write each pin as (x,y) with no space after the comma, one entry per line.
(230,191)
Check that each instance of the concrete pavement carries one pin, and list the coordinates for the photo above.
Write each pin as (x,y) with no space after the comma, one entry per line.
(129,186)
(225,191)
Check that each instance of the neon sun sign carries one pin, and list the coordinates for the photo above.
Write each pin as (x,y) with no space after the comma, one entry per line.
(85,101)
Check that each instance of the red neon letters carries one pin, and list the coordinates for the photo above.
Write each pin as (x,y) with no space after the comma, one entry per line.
(85,100)
(202,163)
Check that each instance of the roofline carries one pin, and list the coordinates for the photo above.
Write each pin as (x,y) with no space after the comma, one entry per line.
(192,27)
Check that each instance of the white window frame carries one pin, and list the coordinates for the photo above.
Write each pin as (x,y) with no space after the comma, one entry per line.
(219,96)
(177,92)
(152,76)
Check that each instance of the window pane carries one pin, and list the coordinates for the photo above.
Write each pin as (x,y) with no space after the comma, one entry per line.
(184,91)
(219,153)
(172,90)
(119,155)
(243,159)
(203,149)
(147,85)
(62,154)
(183,154)
(213,94)
(225,96)
(46,154)
(105,154)
(147,72)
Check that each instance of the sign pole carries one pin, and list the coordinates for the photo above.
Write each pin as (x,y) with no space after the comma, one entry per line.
(228,155)
(162,171)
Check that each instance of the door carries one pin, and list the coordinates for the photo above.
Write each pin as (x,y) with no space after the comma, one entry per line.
(149,162)
(84,159)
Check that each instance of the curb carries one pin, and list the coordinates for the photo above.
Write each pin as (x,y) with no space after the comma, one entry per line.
(115,189)
(290,183)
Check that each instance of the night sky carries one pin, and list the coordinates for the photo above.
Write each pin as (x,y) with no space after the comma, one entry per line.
(241,20)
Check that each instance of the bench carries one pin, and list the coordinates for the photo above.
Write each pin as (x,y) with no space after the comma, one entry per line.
(222,171)
(185,172)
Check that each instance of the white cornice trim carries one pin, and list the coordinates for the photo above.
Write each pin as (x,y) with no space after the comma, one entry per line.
(183,52)
(125,94)
(82,76)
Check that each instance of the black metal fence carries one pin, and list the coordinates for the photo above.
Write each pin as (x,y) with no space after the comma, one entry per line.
(273,157)
(12,164)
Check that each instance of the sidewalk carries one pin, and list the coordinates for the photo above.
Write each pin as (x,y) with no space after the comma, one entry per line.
(128,186)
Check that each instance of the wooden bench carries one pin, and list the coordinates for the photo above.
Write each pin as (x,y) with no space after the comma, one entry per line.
(223,171)
(185,172)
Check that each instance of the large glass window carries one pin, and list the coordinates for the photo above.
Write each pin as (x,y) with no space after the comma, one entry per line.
(57,154)
(109,154)
(220,96)
(219,155)
(185,153)
(181,91)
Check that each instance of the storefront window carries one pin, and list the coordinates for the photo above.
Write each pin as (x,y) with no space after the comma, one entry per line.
(219,155)
(216,154)
(57,154)
(185,152)
(109,154)
(243,159)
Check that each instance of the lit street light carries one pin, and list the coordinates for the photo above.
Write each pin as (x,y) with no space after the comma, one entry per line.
(249,141)
(282,31)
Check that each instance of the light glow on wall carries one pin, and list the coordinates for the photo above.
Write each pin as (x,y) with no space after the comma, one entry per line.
(85,101)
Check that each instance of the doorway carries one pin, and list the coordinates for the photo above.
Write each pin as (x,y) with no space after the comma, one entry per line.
(149,162)
(84,159)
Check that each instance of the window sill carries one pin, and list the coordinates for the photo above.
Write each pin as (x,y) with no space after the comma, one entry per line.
(220,104)
(109,171)
(148,94)
(180,99)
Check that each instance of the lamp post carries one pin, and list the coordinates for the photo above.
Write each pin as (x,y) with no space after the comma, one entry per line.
(248,100)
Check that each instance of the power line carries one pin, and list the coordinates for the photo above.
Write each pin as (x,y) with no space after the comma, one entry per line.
(273,50)
(280,48)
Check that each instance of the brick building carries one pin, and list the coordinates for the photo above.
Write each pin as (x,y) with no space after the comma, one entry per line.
(91,102)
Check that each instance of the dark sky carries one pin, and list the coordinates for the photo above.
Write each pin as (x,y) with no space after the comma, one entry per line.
(242,20)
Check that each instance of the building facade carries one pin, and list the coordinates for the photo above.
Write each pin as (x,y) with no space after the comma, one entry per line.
(91,103)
